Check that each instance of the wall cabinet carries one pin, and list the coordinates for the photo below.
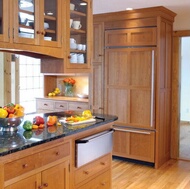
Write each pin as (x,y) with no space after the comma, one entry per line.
(137,72)
(33,26)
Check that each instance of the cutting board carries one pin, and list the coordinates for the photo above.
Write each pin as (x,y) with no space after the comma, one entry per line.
(79,122)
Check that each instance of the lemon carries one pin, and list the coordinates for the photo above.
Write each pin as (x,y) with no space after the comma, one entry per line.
(3,113)
(87,113)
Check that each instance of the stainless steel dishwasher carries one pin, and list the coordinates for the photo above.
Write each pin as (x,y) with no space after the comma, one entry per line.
(93,147)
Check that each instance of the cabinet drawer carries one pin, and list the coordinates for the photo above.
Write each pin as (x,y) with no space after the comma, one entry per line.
(56,153)
(45,104)
(78,106)
(134,143)
(102,181)
(61,106)
(92,168)
(21,166)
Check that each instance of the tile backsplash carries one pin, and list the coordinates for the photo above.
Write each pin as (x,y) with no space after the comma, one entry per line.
(81,86)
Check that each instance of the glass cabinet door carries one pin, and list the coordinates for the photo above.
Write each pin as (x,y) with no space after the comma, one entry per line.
(78,33)
(51,22)
(4,21)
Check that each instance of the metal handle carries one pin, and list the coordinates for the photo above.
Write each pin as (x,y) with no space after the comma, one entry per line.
(152,93)
(93,137)
(133,131)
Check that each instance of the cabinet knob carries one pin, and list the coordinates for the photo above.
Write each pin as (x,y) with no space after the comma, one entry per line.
(57,153)
(69,57)
(25,165)
(102,163)
(79,107)
(103,183)
(61,106)
(38,32)
(86,172)
(40,187)
(45,184)
(100,55)
(43,33)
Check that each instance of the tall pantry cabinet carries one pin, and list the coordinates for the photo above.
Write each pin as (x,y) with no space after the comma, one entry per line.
(137,81)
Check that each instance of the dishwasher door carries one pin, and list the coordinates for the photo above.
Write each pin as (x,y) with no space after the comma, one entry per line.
(93,147)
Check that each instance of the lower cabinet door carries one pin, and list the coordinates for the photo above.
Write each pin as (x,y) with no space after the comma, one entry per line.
(134,143)
(31,182)
(102,181)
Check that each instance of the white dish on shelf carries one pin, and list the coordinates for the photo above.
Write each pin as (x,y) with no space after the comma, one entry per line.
(48,38)
(82,95)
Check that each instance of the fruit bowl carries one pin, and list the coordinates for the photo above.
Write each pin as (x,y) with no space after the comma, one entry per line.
(10,124)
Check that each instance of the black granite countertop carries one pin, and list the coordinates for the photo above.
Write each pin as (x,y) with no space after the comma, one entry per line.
(11,142)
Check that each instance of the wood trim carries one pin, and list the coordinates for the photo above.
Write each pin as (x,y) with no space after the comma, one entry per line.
(176,67)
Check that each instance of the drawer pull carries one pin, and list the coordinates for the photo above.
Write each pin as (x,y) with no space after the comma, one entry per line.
(86,172)
(45,184)
(79,107)
(103,183)
(57,153)
(25,165)
(45,104)
(102,163)
(61,106)
(133,131)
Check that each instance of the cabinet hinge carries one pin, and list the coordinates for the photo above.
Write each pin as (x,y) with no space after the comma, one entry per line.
(69,167)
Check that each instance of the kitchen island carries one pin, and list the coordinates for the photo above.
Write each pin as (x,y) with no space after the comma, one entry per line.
(47,158)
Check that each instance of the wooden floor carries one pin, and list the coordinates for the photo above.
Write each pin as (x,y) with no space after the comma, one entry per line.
(172,175)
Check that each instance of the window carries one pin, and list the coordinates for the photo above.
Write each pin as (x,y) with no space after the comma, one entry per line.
(30,81)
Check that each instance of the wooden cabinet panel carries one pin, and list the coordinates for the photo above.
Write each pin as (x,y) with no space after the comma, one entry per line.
(133,143)
(130,81)
(103,181)
(45,105)
(98,42)
(92,168)
(21,166)
(56,177)
(30,183)
(55,153)
(131,37)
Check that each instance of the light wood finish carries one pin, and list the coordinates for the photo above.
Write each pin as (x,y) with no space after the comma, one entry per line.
(172,175)
(36,46)
(176,69)
(134,144)
(77,106)
(138,80)
(102,181)
(84,173)
(97,79)
(46,164)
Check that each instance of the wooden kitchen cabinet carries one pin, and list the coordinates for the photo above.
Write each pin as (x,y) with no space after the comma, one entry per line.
(83,13)
(97,79)
(137,72)
(54,177)
(33,27)
(46,168)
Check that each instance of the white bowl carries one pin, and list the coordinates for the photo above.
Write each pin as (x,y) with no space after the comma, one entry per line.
(46,25)
(82,95)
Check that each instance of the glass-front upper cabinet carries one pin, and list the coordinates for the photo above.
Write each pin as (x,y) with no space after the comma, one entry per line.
(79,23)
(38,22)
(4,21)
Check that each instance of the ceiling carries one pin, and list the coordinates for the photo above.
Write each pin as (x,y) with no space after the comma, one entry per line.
(180,7)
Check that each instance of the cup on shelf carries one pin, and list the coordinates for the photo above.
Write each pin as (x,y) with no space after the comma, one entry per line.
(71,21)
(76,25)
(80,58)
(83,47)
(73,46)
(73,58)
(72,40)
(79,47)
(72,6)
